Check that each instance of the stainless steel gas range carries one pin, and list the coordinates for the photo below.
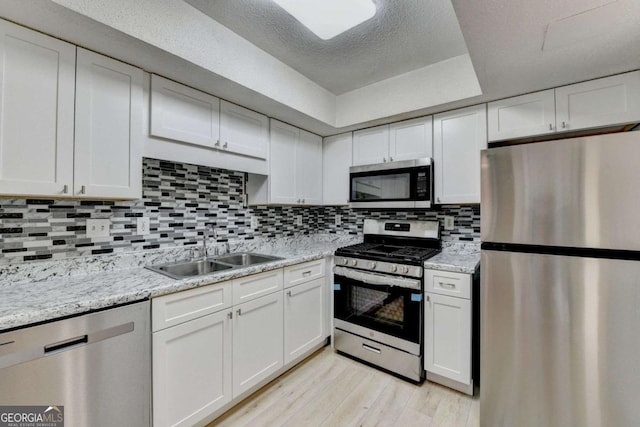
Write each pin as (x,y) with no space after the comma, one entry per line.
(378,290)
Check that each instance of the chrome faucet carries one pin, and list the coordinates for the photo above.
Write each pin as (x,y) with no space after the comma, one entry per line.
(208,228)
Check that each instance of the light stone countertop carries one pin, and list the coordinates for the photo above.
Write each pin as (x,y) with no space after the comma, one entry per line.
(38,292)
(456,257)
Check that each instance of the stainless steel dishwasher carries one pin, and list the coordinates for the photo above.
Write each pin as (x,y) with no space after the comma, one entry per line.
(97,365)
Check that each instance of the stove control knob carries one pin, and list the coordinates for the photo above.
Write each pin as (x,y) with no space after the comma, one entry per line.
(354,262)
(394,268)
(345,261)
(405,269)
(372,265)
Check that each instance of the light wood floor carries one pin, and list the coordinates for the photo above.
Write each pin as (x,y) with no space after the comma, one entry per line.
(331,390)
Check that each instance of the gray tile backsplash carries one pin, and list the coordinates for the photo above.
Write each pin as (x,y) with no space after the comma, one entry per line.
(181,200)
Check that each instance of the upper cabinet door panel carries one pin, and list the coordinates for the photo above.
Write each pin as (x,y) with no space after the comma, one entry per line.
(243,131)
(336,160)
(282,179)
(602,102)
(108,146)
(526,115)
(184,114)
(37,83)
(371,145)
(411,139)
(309,168)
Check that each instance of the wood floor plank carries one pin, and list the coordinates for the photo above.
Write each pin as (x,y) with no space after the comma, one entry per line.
(331,390)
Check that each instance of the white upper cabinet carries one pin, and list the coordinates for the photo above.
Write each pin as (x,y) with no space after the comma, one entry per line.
(596,103)
(283,174)
(336,160)
(295,166)
(458,137)
(411,139)
(108,142)
(243,131)
(371,145)
(531,114)
(184,114)
(37,83)
(609,101)
(309,168)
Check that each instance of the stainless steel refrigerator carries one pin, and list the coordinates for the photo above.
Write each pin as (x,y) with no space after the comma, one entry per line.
(560,283)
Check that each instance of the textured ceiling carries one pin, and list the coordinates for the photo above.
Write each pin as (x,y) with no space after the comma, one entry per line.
(403,36)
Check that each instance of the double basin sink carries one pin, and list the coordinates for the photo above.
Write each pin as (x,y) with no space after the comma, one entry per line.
(203,267)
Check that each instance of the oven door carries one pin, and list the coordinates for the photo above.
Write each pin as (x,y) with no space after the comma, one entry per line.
(379,303)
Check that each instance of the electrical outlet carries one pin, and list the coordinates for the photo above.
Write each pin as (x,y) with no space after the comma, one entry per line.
(299,220)
(338,219)
(254,223)
(448,223)
(142,226)
(98,227)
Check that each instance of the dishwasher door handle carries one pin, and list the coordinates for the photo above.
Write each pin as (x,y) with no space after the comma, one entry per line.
(66,343)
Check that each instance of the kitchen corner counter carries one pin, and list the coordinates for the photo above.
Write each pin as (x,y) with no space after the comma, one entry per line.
(25,302)
(456,257)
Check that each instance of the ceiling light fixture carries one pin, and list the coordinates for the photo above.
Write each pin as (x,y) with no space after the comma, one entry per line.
(328,18)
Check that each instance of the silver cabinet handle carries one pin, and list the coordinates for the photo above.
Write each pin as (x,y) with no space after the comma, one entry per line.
(428,298)
(390,159)
(230,315)
(226,144)
(306,273)
(217,144)
(239,312)
(65,189)
(384,159)
(303,201)
(82,189)
(438,199)
(550,126)
(289,293)
(447,285)
(564,125)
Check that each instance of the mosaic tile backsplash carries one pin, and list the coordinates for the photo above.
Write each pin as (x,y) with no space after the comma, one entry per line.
(181,200)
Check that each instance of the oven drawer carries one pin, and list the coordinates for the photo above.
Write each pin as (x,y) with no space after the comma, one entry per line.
(448,283)
(300,273)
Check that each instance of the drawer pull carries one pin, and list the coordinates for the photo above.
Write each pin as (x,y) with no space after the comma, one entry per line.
(447,285)
(306,273)
(371,349)
(289,293)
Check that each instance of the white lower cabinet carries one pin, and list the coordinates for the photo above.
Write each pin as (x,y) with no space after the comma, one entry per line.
(448,329)
(257,341)
(192,370)
(304,312)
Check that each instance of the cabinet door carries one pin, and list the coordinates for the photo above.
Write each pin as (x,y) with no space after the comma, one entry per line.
(447,339)
(243,131)
(602,102)
(192,370)
(531,114)
(411,139)
(37,81)
(371,145)
(336,160)
(309,168)
(108,145)
(458,137)
(282,163)
(304,310)
(184,114)
(257,341)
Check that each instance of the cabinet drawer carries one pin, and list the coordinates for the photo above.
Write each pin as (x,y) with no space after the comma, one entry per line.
(300,273)
(173,309)
(257,285)
(448,283)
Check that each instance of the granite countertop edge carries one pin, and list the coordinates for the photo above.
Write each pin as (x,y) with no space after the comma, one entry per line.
(77,295)
(456,258)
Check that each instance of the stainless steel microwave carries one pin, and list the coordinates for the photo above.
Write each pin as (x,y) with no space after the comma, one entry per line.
(405,184)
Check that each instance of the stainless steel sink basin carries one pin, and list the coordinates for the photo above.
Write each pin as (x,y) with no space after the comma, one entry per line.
(246,259)
(203,267)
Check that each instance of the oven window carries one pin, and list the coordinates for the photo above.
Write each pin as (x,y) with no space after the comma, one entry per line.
(381,187)
(389,309)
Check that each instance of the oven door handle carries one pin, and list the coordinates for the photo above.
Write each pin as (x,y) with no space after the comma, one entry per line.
(377,279)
